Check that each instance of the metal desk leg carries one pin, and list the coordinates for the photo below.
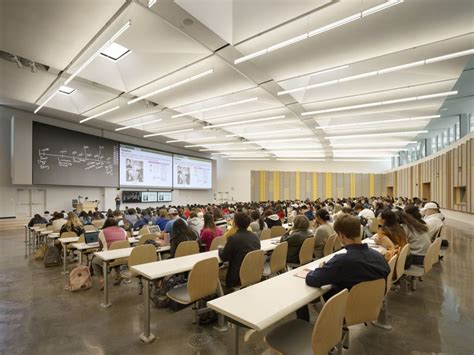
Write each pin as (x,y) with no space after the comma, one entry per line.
(381,322)
(106,303)
(65,271)
(26,241)
(80,257)
(221,325)
(235,342)
(146,337)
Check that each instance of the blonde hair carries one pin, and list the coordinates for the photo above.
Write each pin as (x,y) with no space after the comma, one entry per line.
(73,221)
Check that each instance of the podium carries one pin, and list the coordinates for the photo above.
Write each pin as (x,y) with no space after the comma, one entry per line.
(86,206)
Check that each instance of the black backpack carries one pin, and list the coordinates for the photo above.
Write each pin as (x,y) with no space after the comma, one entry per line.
(52,257)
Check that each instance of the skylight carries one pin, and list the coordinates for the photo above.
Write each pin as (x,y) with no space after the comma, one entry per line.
(66,90)
(115,52)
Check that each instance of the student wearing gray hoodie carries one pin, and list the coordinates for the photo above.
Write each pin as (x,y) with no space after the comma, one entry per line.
(195,223)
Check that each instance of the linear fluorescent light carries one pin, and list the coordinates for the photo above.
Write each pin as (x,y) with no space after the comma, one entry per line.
(66,90)
(342,151)
(319,30)
(380,71)
(365,155)
(169,132)
(151,3)
(337,126)
(101,49)
(215,107)
(330,70)
(138,124)
(406,133)
(99,114)
(166,88)
(380,103)
(297,151)
(376,160)
(371,144)
(230,149)
(207,144)
(299,159)
(192,139)
(249,159)
(46,101)
(246,121)
(264,133)
(278,140)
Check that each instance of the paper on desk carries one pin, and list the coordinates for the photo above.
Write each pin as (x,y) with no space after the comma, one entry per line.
(302,273)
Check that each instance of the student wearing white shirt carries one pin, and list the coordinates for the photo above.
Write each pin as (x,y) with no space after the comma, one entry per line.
(432,219)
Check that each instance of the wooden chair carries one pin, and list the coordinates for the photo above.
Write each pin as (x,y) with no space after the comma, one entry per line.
(68,234)
(381,322)
(145,237)
(374,225)
(251,270)
(277,262)
(363,305)
(306,252)
(400,265)
(144,230)
(338,243)
(119,245)
(266,234)
(300,337)
(329,246)
(187,248)
(290,219)
(98,223)
(277,231)
(141,254)
(415,271)
(217,242)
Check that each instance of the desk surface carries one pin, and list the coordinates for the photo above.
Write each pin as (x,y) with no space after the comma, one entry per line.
(122,253)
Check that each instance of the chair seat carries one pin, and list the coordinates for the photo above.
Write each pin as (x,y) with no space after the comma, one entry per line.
(292,337)
(293,265)
(126,274)
(180,294)
(416,271)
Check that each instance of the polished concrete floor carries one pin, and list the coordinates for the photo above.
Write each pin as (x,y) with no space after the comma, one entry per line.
(37,316)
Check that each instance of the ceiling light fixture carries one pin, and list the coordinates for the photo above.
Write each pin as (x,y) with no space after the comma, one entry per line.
(46,101)
(371,144)
(278,140)
(101,49)
(115,52)
(243,122)
(249,159)
(66,90)
(356,160)
(167,133)
(99,114)
(138,124)
(190,140)
(380,103)
(319,30)
(368,150)
(264,133)
(380,71)
(166,88)
(337,126)
(215,107)
(207,145)
(151,3)
(299,159)
(406,133)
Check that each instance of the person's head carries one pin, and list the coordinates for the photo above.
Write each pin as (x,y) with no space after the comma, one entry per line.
(430,208)
(411,222)
(346,210)
(163,213)
(180,228)
(209,221)
(73,220)
(36,216)
(193,214)
(301,223)
(255,215)
(46,213)
(110,222)
(358,207)
(241,221)
(322,216)
(388,218)
(348,229)
(414,211)
(173,212)
(117,215)
(217,214)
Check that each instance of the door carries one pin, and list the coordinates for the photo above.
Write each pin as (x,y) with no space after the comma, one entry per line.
(426,191)
(38,201)
(390,191)
(23,203)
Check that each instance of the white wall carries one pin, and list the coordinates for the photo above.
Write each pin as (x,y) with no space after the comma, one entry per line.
(234,176)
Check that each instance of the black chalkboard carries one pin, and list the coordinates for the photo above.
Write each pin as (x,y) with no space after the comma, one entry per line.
(65,157)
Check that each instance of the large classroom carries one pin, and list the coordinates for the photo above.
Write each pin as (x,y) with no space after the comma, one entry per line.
(237,177)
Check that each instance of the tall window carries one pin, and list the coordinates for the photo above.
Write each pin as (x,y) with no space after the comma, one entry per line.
(434,144)
(451,134)
(457,129)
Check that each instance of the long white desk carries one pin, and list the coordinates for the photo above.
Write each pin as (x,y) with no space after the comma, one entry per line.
(109,255)
(159,269)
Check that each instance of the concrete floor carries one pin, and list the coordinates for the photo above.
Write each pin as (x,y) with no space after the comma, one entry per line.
(37,316)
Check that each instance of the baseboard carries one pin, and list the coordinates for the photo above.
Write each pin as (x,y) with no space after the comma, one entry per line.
(12,217)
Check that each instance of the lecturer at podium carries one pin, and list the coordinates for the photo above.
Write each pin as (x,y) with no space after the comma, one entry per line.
(117,202)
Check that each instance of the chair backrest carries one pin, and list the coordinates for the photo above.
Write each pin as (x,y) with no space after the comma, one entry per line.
(392,263)
(81,239)
(89,227)
(145,237)
(141,254)
(373,225)
(307,250)
(120,244)
(327,331)
(203,278)
(278,258)
(329,246)
(218,241)
(290,219)
(432,254)
(365,301)
(98,223)
(266,234)
(338,243)
(40,225)
(400,266)
(251,270)
(144,230)
(49,228)
(277,231)
(68,234)
(188,247)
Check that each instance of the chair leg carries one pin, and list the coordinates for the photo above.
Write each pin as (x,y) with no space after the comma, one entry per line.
(345,338)
(413,283)
(404,284)
(381,322)
(198,339)
(140,286)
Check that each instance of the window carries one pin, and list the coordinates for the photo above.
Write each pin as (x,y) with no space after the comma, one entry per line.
(115,52)
(451,134)
(434,145)
(471,122)
(460,196)
(457,129)
(440,142)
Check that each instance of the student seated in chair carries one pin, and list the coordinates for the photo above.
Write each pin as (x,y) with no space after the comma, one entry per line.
(296,237)
(181,233)
(359,264)
(237,246)
(73,224)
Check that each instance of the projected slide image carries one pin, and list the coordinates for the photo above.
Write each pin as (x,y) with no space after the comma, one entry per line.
(192,173)
(134,171)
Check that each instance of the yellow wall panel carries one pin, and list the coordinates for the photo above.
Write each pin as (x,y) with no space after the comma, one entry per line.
(298,185)
(276,185)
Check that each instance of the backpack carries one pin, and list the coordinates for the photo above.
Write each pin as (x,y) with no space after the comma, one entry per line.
(52,257)
(79,279)
(159,297)
(39,253)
